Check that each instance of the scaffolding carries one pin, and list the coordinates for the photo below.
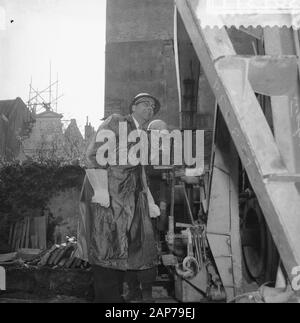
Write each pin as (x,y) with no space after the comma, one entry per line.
(44,99)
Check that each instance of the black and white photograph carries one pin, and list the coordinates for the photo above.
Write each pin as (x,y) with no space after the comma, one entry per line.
(149,154)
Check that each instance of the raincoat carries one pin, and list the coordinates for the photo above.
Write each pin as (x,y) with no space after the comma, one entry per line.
(120,236)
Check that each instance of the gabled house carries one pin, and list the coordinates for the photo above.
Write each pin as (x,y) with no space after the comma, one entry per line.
(16,122)
(74,142)
(47,138)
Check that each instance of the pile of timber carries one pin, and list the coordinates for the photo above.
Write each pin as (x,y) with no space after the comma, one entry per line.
(60,256)
(29,232)
(8,259)
(20,257)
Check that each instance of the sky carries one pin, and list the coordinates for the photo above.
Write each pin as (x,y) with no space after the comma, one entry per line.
(68,33)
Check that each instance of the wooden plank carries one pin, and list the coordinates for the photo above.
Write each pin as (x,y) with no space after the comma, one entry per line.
(28,254)
(251,134)
(31,234)
(294,178)
(218,222)
(3,279)
(11,230)
(11,234)
(18,235)
(285,109)
(27,232)
(235,245)
(223,225)
(40,225)
(8,257)
(36,233)
(54,255)
(13,238)
(59,256)
(24,225)
(46,257)
(34,241)
(23,231)
(69,263)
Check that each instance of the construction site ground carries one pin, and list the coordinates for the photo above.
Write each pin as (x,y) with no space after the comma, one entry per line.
(48,285)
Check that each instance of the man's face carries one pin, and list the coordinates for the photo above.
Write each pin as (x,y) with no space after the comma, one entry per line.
(144,109)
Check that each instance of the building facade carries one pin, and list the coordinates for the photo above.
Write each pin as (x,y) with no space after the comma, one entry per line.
(16,123)
(47,139)
(140,55)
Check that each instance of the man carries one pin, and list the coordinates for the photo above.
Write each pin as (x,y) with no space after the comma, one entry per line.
(117,238)
(140,281)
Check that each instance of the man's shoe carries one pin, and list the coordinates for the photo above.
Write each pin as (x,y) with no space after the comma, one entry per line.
(135,296)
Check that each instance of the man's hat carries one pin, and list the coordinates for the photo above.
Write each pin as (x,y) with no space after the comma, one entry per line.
(146,95)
